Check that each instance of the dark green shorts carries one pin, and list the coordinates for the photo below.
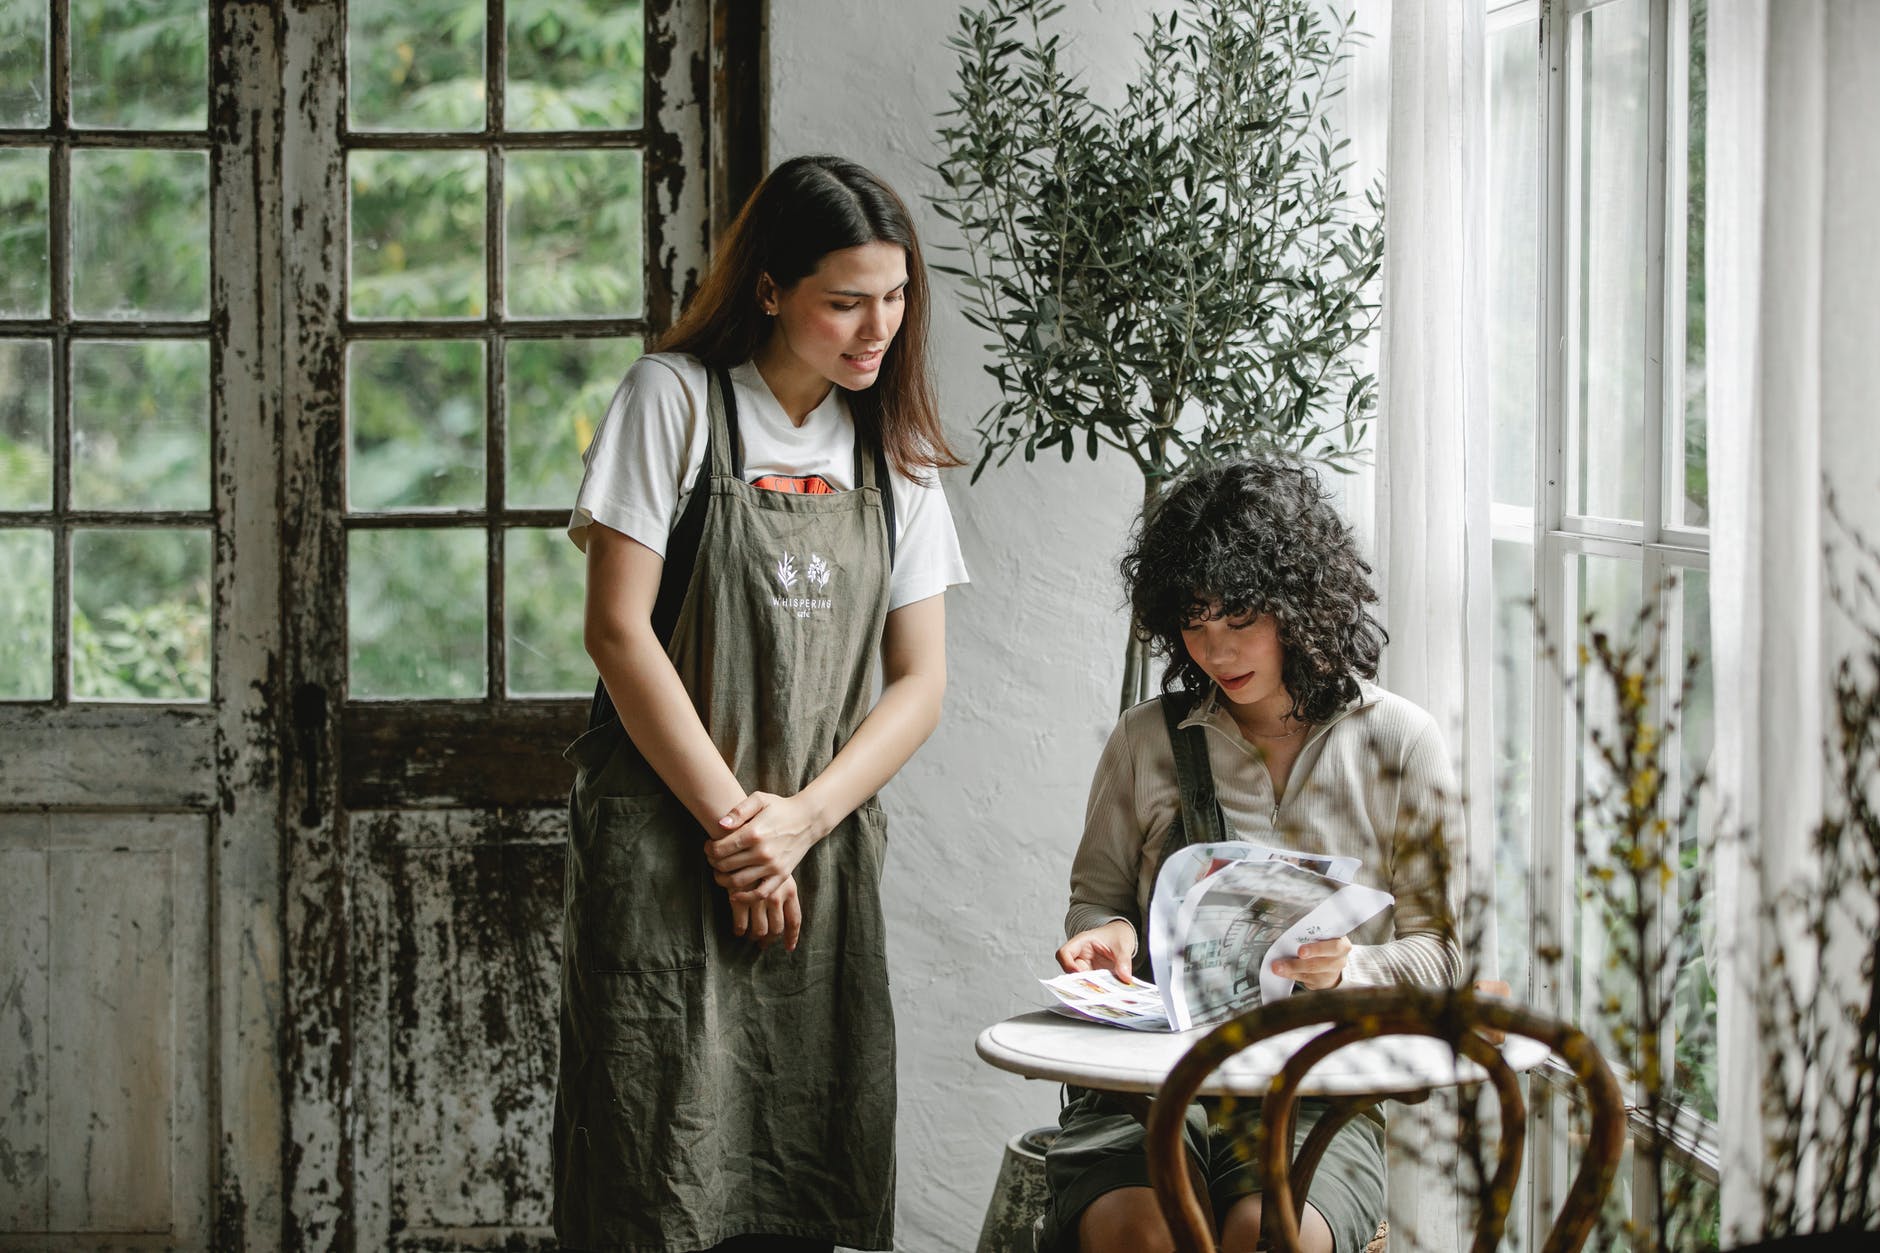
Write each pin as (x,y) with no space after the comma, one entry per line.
(1100,1149)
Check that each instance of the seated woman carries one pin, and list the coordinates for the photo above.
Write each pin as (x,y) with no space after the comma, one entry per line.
(1245,578)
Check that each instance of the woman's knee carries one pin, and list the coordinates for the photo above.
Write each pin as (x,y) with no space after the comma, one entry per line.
(1126,1220)
(1241,1232)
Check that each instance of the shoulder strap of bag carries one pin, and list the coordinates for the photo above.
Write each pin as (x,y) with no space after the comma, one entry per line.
(1202,821)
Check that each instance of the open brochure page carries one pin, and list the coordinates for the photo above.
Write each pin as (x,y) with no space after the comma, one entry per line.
(1221,913)
(1219,916)
(1236,922)
(1192,863)
(1100,996)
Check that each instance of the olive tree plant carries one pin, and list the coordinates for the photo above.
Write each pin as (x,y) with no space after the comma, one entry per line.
(1178,276)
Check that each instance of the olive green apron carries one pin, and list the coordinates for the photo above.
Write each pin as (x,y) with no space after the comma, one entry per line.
(709,1088)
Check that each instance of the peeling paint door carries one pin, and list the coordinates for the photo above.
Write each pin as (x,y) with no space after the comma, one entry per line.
(306,311)
(140,967)
(490,204)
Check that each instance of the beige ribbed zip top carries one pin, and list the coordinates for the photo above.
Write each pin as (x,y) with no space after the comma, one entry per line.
(1373,782)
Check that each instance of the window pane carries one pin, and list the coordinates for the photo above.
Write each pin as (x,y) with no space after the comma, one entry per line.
(414,424)
(415,66)
(25,271)
(1612,89)
(142,64)
(26,615)
(558,390)
(1606,590)
(140,424)
(1514,126)
(23,42)
(415,612)
(140,234)
(572,234)
(574,65)
(1696,995)
(26,424)
(1693,455)
(1513,689)
(417,234)
(140,614)
(1696,1207)
(543,592)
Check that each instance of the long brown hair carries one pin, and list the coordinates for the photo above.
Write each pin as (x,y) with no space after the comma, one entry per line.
(805,209)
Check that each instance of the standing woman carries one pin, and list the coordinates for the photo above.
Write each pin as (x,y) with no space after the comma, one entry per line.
(761,517)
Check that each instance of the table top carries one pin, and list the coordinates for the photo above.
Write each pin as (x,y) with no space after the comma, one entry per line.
(1044,1045)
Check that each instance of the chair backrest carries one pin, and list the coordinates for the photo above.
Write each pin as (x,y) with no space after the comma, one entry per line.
(1456,1016)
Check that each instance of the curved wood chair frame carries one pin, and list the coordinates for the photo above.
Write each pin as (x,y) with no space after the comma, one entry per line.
(1454,1016)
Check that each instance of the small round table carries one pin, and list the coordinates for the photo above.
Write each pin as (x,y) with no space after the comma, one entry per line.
(1132,1065)
(1044,1045)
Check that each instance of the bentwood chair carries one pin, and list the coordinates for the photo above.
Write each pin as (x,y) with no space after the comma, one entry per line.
(1457,1017)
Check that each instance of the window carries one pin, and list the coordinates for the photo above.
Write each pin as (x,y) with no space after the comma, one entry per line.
(494,296)
(1596,228)
(105,352)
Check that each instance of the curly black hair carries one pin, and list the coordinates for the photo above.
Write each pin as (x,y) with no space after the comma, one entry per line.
(1259,536)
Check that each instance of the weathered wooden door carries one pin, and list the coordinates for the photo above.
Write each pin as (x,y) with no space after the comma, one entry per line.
(307,309)
(489,206)
(140,963)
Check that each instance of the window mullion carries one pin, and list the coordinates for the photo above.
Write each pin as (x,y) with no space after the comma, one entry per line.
(1647,1203)
(1550,899)
(1657,339)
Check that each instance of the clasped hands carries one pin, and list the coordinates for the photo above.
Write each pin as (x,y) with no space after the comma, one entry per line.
(754,856)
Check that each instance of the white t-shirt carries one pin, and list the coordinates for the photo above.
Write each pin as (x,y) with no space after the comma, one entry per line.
(647,454)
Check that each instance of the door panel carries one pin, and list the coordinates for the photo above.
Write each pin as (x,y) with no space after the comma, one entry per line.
(105,1029)
(458,931)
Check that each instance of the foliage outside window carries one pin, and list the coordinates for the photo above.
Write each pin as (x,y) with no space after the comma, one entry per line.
(552,182)
(134,441)
(105,500)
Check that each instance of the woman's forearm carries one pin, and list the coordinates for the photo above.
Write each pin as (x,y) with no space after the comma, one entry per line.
(659,718)
(914,670)
(900,722)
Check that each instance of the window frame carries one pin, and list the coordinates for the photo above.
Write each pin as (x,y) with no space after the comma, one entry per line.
(497,748)
(60,138)
(1556,537)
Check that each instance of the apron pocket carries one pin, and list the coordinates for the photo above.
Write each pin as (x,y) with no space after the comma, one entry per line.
(644,898)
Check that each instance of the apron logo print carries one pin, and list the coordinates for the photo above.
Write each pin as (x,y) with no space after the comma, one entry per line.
(816,573)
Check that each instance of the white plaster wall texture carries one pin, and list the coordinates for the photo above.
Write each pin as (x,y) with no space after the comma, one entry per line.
(986,817)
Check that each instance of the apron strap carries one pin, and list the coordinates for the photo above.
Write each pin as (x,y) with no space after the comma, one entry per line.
(724,455)
(873,472)
(682,544)
(886,484)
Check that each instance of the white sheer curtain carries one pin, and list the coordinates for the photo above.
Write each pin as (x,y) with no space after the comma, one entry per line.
(1793,282)
(1419,111)
(1433,444)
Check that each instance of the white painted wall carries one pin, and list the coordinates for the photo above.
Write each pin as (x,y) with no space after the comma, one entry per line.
(986,817)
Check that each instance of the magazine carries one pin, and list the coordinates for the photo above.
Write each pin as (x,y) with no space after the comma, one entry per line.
(1220,915)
